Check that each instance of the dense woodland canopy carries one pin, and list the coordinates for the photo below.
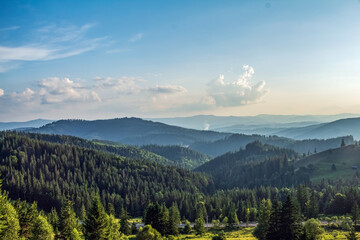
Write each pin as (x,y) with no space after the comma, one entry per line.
(52,170)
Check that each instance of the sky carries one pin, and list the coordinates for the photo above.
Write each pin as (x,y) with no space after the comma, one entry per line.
(89,59)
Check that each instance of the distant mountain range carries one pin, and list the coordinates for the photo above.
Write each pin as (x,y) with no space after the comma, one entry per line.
(29,124)
(132,131)
(135,131)
(234,123)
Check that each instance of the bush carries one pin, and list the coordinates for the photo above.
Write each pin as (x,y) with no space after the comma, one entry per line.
(220,236)
(148,233)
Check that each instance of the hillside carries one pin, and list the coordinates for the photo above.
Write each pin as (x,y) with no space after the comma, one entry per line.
(47,172)
(109,147)
(342,127)
(236,141)
(181,156)
(319,166)
(133,131)
(256,165)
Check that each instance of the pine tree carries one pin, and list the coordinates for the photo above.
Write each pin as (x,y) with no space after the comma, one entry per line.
(174,220)
(232,217)
(27,215)
(355,213)
(113,228)
(199,226)
(96,223)
(82,213)
(124,222)
(263,220)
(274,232)
(290,221)
(68,221)
(53,219)
(10,220)
(163,220)
(187,229)
(42,229)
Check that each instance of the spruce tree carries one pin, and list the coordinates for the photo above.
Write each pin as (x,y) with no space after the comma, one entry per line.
(263,220)
(113,228)
(163,220)
(291,227)
(42,229)
(124,222)
(232,217)
(199,226)
(68,221)
(96,222)
(174,220)
(274,232)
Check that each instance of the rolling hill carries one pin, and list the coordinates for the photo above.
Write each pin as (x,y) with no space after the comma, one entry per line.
(29,124)
(236,141)
(346,161)
(181,156)
(132,131)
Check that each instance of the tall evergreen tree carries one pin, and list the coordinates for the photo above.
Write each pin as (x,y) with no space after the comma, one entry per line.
(263,220)
(232,216)
(124,222)
(275,230)
(199,226)
(113,229)
(163,220)
(42,229)
(10,220)
(96,222)
(174,220)
(68,221)
(290,221)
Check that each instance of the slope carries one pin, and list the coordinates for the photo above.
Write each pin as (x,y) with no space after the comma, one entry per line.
(346,161)
(47,172)
(133,131)
(238,141)
(183,157)
(256,165)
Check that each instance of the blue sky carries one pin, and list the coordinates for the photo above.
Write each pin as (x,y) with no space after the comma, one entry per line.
(102,59)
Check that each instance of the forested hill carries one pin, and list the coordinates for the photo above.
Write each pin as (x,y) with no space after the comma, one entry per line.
(256,165)
(236,141)
(118,149)
(133,131)
(46,172)
(181,156)
(333,164)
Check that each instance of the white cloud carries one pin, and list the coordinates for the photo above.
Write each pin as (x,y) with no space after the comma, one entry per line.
(1,92)
(136,37)
(240,92)
(127,85)
(56,90)
(50,42)
(167,89)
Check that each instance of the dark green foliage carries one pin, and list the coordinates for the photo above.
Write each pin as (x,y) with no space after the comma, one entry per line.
(263,220)
(96,223)
(199,226)
(355,213)
(42,230)
(232,217)
(27,215)
(174,220)
(54,220)
(181,156)
(47,172)
(257,165)
(134,229)
(220,236)
(187,228)
(275,232)
(124,223)
(68,221)
(290,221)
(233,142)
(352,235)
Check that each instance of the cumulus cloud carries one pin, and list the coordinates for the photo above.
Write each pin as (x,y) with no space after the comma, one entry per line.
(167,89)
(22,97)
(1,92)
(239,92)
(136,37)
(56,90)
